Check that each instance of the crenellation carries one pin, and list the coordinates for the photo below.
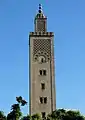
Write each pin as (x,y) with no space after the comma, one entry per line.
(44,34)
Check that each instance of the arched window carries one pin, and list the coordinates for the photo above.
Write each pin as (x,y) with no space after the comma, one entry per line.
(41,59)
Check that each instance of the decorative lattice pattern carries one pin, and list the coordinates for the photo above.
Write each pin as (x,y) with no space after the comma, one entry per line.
(41,45)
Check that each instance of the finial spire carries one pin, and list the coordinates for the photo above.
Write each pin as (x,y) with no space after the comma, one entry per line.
(40,8)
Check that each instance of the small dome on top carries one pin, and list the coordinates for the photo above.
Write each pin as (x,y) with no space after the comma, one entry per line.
(40,8)
(40,12)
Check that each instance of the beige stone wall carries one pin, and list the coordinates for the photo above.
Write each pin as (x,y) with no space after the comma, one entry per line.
(36,79)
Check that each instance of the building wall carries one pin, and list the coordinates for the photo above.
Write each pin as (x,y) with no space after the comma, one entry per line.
(34,77)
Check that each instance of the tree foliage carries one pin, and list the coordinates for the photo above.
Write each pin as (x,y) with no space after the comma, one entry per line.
(2,116)
(59,114)
(62,114)
(28,117)
(36,117)
(16,113)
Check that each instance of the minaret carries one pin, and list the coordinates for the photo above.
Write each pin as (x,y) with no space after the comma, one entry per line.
(41,67)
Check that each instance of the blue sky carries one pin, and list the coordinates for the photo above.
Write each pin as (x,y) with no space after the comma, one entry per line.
(66,18)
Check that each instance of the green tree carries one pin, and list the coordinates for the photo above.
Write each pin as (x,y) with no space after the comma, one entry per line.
(62,114)
(16,113)
(28,117)
(59,114)
(73,115)
(2,116)
(19,99)
(36,117)
(56,115)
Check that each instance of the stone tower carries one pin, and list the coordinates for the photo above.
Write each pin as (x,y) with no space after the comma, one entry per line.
(41,67)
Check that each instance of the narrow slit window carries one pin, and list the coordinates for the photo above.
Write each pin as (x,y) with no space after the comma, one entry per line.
(45,100)
(41,100)
(44,72)
(43,114)
(42,86)
(40,72)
